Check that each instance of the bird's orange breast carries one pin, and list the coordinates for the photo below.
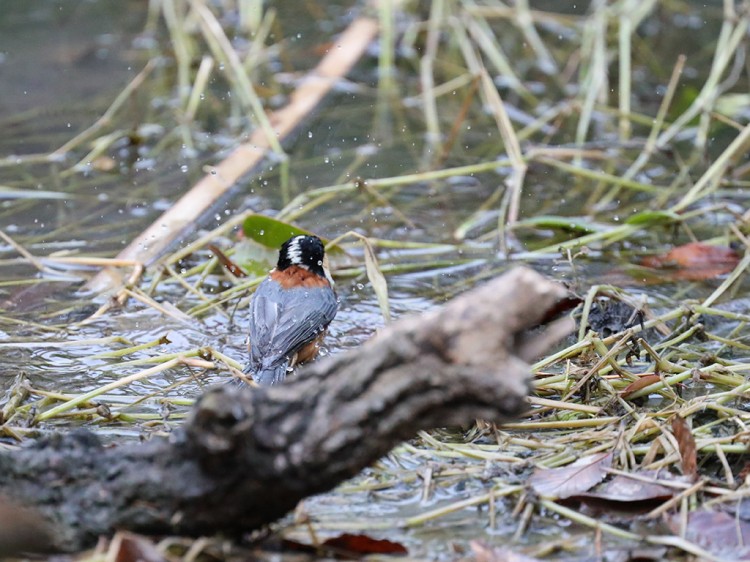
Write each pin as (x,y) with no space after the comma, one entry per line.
(309,351)
(295,276)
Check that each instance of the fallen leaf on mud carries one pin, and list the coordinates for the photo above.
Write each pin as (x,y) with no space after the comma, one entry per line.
(695,261)
(628,494)
(362,545)
(718,532)
(347,547)
(485,553)
(694,254)
(687,448)
(571,480)
(642,382)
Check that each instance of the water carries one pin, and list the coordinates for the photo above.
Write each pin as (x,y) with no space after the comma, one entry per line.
(62,65)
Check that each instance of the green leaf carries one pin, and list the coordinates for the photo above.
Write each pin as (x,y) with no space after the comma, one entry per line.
(568,224)
(254,258)
(684,97)
(653,218)
(270,232)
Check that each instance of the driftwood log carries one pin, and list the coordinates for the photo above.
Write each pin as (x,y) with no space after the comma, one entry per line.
(246,456)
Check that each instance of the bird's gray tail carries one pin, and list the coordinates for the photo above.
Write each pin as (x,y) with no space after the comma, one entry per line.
(268,374)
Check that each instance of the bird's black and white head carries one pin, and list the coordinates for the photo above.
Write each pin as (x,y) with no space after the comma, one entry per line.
(306,252)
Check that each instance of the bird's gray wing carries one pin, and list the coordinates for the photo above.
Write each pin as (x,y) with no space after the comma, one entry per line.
(285,320)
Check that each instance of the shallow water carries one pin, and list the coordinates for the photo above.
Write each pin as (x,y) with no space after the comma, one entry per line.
(92,49)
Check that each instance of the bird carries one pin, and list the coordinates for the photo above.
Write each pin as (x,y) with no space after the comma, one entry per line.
(290,311)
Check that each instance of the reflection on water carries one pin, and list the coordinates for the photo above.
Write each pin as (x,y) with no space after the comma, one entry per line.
(61,62)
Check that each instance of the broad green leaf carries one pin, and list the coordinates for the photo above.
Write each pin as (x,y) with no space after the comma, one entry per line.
(254,258)
(270,232)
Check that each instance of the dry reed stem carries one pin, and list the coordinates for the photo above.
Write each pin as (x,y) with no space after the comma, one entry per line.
(167,228)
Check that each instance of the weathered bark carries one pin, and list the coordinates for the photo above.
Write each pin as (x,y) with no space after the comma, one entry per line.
(246,456)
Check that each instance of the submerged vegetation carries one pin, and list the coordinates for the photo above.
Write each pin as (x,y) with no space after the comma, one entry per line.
(603,143)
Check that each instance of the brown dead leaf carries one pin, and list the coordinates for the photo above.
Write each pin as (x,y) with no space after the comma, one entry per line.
(228,264)
(687,448)
(695,261)
(571,480)
(718,532)
(484,553)
(347,547)
(625,493)
(363,545)
(642,382)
